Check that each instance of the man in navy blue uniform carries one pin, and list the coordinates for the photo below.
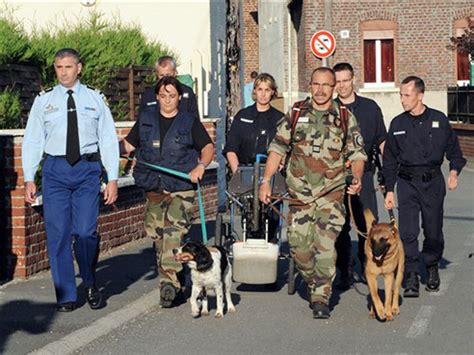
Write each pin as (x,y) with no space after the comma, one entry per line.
(372,128)
(418,140)
(166,66)
(69,125)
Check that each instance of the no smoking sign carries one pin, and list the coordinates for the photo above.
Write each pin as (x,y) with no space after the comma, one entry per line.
(323,44)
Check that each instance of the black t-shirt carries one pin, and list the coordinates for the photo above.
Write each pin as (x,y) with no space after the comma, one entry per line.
(252,132)
(200,136)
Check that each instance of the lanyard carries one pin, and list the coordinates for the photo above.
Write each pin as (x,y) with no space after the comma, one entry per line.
(184,176)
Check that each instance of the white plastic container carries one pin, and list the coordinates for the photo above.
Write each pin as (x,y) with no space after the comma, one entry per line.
(255,262)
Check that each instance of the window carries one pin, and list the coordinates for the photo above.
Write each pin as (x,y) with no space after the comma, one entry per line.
(463,66)
(379,53)
(462,59)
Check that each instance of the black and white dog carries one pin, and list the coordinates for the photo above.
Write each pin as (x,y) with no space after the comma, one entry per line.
(210,271)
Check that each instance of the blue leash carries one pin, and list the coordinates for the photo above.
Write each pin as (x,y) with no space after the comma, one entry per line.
(184,176)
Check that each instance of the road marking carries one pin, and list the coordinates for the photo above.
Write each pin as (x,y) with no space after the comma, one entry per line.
(446,278)
(420,324)
(101,327)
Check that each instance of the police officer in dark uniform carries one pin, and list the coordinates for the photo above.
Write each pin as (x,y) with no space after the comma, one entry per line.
(417,142)
(174,139)
(370,120)
(252,131)
(166,66)
(253,127)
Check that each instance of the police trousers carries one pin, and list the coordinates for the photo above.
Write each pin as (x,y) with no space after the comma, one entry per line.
(417,197)
(312,232)
(71,208)
(168,219)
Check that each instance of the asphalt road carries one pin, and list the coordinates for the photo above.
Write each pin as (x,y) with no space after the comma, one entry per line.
(273,322)
(266,321)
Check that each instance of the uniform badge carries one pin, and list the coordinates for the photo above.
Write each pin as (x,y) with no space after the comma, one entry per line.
(358,140)
(50,109)
(435,124)
(397,133)
(263,132)
(316,148)
(186,95)
(156,144)
(246,120)
(151,103)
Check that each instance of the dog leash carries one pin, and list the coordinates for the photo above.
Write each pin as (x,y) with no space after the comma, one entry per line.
(184,176)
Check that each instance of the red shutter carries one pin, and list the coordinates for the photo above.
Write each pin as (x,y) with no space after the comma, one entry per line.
(463,65)
(369,61)
(387,61)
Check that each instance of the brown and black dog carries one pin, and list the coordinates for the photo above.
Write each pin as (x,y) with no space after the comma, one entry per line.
(385,256)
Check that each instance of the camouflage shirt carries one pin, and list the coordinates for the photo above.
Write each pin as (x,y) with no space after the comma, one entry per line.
(316,151)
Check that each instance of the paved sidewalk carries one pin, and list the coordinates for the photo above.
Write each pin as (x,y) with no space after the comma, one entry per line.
(29,321)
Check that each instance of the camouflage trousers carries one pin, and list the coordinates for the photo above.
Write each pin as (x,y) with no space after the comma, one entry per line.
(313,231)
(168,219)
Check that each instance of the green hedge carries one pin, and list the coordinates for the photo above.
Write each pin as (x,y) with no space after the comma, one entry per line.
(10,110)
(103,45)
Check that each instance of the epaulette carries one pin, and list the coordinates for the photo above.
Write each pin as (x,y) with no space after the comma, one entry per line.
(45,91)
(94,89)
(98,92)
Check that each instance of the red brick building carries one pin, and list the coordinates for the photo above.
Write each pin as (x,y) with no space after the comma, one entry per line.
(385,41)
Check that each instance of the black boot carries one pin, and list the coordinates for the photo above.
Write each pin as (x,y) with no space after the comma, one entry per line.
(412,285)
(433,281)
(345,281)
(167,295)
(320,310)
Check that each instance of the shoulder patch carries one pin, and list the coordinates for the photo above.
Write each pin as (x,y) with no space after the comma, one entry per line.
(45,91)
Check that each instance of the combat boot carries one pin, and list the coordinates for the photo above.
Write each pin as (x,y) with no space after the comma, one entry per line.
(412,285)
(433,281)
(167,294)
(320,310)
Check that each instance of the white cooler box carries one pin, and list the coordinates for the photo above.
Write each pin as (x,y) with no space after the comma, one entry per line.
(255,262)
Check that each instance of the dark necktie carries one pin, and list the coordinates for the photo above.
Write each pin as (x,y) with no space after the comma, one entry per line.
(73,153)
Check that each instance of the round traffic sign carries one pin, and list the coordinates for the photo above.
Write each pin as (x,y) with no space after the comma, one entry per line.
(323,44)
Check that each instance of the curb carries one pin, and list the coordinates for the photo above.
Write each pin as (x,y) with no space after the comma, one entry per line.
(101,327)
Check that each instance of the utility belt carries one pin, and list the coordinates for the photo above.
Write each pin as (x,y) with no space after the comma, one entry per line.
(88,157)
(419,173)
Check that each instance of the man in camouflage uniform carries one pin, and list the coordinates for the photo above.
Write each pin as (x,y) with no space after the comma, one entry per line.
(318,147)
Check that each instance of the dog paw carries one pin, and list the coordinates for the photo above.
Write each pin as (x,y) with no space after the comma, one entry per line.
(389,317)
(372,314)
(195,314)
(219,315)
(231,309)
(205,313)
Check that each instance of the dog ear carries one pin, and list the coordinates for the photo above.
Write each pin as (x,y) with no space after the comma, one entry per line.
(369,219)
(203,259)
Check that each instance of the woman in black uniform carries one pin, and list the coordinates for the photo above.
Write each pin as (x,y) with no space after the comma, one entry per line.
(253,127)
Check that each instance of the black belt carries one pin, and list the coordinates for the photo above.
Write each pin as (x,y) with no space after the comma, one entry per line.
(88,156)
(419,173)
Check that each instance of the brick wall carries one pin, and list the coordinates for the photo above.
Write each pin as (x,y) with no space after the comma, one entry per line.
(250,38)
(465,133)
(22,236)
(422,32)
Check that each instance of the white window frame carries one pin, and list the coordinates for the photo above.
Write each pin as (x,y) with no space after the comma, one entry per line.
(378,36)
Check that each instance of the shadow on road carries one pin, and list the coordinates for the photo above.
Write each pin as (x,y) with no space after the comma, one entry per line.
(24,316)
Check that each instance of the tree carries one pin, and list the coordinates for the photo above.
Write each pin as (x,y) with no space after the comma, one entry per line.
(464,43)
